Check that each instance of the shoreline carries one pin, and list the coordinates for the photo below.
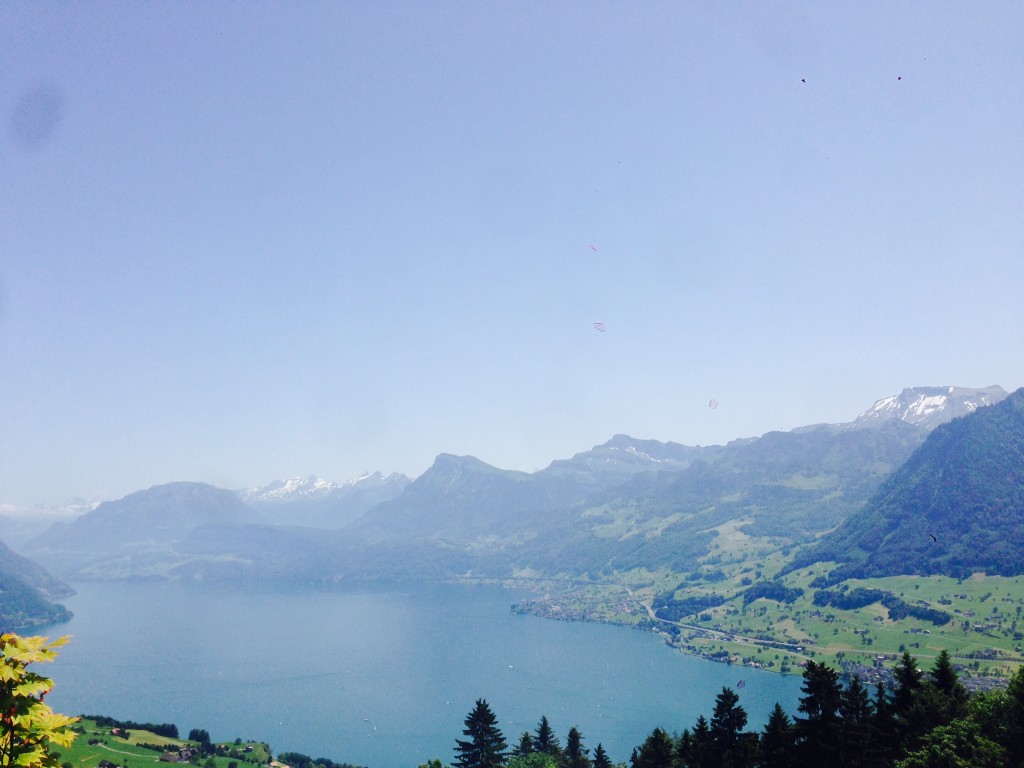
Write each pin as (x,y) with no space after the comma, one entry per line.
(549,606)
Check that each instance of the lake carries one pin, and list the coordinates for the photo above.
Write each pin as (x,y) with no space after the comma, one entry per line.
(379,676)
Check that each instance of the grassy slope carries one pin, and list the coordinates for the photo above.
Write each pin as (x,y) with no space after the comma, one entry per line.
(127,752)
(779,636)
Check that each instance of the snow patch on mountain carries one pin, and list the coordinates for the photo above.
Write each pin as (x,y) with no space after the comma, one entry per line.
(312,487)
(928,407)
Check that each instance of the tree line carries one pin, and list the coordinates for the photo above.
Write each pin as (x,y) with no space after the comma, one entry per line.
(927,720)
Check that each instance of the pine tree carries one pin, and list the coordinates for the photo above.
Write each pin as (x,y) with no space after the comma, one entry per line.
(728,720)
(943,675)
(601,759)
(695,749)
(914,703)
(727,723)
(908,682)
(1014,718)
(777,740)
(575,754)
(545,739)
(486,745)
(684,748)
(817,734)
(525,746)
(880,747)
(700,745)
(656,752)
(945,682)
(854,728)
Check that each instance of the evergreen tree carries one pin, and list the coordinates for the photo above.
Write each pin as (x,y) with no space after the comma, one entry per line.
(943,675)
(525,745)
(1013,719)
(855,724)
(695,750)
(937,702)
(601,759)
(727,721)
(575,754)
(908,682)
(656,752)
(916,704)
(951,691)
(485,747)
(727,724)
(545,739)
(817,732)
(777,741)
(684,748)
(880,748)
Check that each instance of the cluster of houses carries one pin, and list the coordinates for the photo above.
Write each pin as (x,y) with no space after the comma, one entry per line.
(183,754)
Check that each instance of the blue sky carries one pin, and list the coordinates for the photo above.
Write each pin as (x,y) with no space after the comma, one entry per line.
(240,242)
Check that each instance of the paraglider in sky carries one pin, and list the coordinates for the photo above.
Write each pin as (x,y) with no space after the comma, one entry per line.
(741,683)
(599,326)
(592,247)
(933,537)
(713,404)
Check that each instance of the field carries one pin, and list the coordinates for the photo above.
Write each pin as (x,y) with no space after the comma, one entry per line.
(984,634)
(96,744)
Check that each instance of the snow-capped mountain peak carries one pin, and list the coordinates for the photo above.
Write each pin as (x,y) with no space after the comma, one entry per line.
(292,488)
(930,406)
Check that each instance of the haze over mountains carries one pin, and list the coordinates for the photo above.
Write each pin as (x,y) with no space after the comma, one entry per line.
(622,505)
(319,503)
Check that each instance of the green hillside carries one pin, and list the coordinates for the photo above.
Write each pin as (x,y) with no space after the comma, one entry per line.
(956,506)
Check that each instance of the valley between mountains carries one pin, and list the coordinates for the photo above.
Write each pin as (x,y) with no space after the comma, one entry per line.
(843,543)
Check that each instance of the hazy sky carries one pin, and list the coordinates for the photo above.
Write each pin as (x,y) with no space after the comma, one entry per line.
(246,241)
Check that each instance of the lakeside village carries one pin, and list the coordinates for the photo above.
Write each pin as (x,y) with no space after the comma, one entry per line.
(696,640)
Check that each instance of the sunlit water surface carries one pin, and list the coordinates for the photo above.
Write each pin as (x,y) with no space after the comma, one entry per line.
(380,676)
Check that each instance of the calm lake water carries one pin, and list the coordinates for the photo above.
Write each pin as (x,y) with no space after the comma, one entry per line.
(382,677)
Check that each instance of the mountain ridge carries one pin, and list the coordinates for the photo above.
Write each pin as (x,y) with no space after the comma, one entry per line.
(28,593)
(626,503)
(956,505)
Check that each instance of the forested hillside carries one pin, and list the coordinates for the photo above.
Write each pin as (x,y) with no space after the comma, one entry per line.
(27,593)
(956,506)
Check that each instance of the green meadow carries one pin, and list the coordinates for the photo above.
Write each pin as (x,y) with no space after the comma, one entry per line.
(97,743)
(984,636)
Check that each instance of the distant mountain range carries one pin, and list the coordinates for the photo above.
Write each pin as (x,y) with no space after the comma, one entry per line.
(622,505)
